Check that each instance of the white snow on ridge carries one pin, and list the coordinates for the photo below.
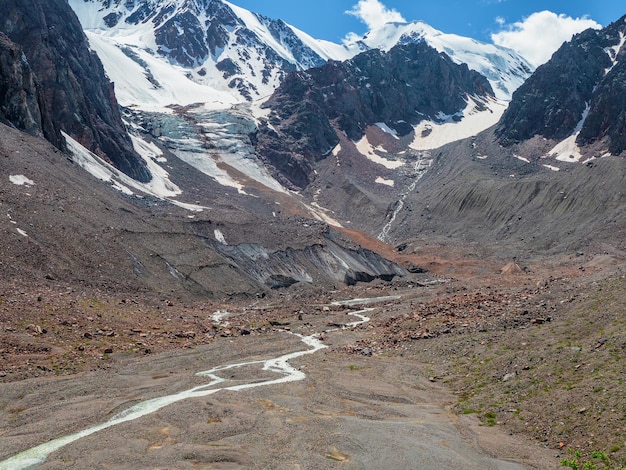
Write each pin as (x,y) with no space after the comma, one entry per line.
(614,51)
(504,68)
(169,86)
(430,135)
(252,23)
(326,49)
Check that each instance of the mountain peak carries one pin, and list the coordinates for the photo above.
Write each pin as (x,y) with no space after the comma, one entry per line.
(578,96)
(246,55)
(505,69)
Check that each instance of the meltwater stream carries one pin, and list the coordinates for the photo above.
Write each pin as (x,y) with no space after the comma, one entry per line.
(35,456)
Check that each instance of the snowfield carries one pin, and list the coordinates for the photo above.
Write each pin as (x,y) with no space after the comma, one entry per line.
(473,120)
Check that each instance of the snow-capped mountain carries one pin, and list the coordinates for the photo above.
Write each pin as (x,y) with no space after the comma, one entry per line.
(505,69)
(191,73)
(396,90)
(172,45)
(185,51)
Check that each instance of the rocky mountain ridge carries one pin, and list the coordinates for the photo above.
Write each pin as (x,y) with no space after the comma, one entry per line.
(505,69)
(218,43)
(231,49)
(399,88)
(579,92)
(55,84)
(355,139)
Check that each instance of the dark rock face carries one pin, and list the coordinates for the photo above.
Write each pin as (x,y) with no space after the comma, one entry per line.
(19,95)
(182,38)
(404,86)
(588,71)
(76,96)
(607,115)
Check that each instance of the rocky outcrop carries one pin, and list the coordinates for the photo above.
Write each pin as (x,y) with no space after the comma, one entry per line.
(586,75)
(400,88)
(607,113)
(74,94)
(20,97)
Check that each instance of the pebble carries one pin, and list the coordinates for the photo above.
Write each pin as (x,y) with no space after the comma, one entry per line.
(509,376)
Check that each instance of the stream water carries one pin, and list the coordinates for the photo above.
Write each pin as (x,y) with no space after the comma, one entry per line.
(421,166)
(35,456)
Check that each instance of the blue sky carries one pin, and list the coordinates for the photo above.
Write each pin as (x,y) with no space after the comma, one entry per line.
(326,19)
(480,19)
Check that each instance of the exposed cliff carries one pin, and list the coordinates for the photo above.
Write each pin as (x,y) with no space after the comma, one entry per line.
(399,88)
(20,96)
(69,87)
(582,88)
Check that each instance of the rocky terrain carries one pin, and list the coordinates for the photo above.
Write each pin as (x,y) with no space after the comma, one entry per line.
(533,348)
(496,250)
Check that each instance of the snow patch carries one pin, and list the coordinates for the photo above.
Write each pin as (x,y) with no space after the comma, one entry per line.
(475,118)
(381,180)
(159,187)
(524,159)
(336,150)
(367,150)
(21,180)
(22,232)
(568,150)
(553,168)
(219,236)
(613,52)
(160,184)
(387,129)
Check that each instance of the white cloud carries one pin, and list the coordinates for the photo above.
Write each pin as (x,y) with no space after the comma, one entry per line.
(374,14)
(541,34)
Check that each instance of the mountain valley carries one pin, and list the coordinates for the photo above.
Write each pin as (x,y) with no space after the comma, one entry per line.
(188,184)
